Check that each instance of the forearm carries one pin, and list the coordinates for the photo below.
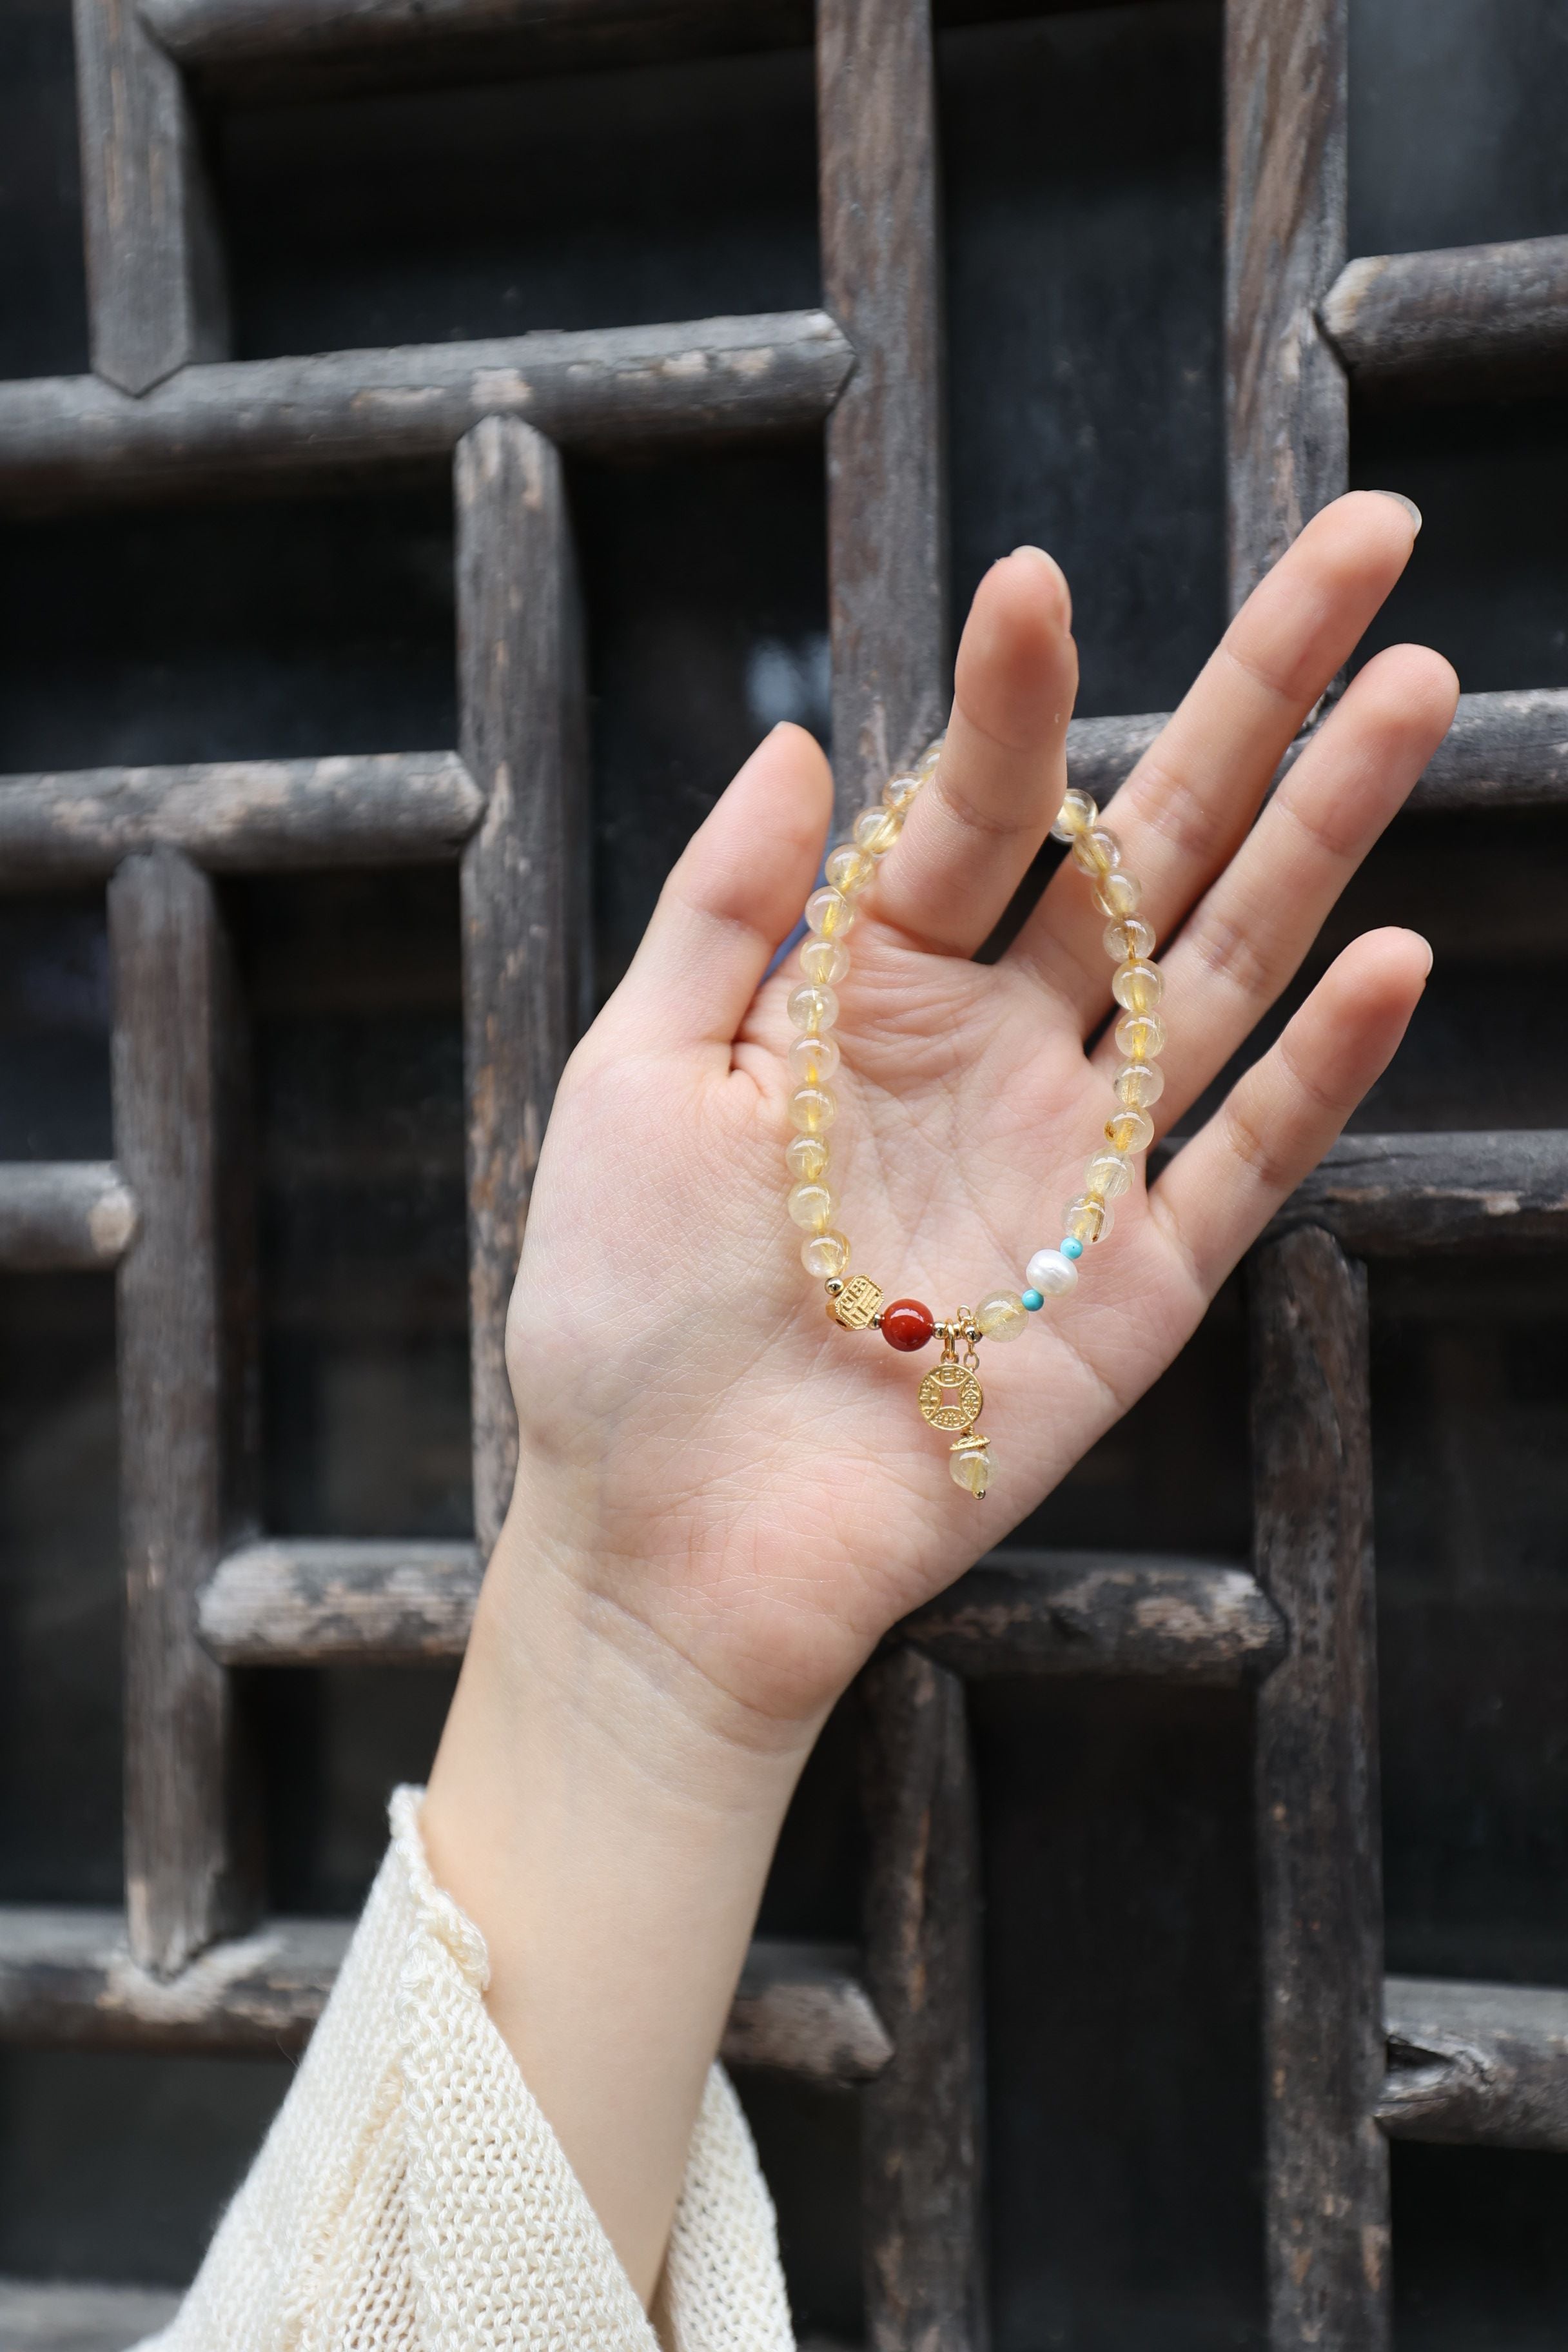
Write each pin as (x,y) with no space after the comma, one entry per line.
(606,1819)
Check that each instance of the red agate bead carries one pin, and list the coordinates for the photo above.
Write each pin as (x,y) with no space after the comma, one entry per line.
(907,1325)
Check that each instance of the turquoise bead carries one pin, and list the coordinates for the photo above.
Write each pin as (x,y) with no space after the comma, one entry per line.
(1033,1300)
(1072,1246)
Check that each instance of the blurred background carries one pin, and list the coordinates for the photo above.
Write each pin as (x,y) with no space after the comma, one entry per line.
(1081,162)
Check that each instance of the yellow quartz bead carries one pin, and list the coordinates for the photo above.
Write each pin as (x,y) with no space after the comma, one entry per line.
(813,1109)
(875,829)
(812,1007)
(1089,1219)
(824,961)
(1129,1130)
(805,1155)
(1001,1315)
(1127,939)
(812,1205)
(1095,850)
(1108,1176)
(828,913)
(1139,986)
(849,869)
(930,757)
(1116,894)
(1139,1084)
(825,1254)
(813,1058)
(900,791)
(1139,1037)
(1076,814)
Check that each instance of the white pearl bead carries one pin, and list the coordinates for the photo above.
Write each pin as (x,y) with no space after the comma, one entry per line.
(1051,1274)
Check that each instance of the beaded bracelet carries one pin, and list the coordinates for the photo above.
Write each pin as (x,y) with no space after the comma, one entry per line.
(950,1396)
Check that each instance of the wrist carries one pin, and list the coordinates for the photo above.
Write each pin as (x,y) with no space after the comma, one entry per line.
(606,1819)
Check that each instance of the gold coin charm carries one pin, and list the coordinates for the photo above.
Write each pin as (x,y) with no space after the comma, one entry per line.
(950,1395)
(856,1304)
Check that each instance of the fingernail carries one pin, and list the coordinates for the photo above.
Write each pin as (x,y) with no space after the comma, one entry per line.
(1411,508)
(1427,945)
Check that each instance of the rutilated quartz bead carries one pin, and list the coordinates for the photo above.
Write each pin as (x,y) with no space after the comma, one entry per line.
(1001,1315)
(1139,1084)
(813,1007)
(875,829)
(812,1108)
(828,913)
(812,1205)
(1096,851)
(1089,1219)
(1128,937)
(1139,986)
(1129,1130)
(930,757)
(813,1058)
(1076,814)
(1108,1176)
(824,961)
(824,1255)
(1116,894)
(1139,1037)
(969,1465)
(849,869)
(805,1155)
(899,791)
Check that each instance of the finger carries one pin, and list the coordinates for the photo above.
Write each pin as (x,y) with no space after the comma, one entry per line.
(1220,1190)
(732,896)
(972,833)
(1190,800)
(1247,937)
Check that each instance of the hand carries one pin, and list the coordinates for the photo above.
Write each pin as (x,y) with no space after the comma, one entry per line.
(723,1467)
(723,1500)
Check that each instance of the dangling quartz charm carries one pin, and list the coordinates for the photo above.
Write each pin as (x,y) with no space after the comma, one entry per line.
(969,1463)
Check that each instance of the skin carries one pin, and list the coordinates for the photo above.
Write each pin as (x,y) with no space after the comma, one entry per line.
(722,1501)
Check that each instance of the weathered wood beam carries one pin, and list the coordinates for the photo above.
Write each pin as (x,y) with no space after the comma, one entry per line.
(69,1216)
(68,1980)
(291,1603)
(249,424)
(1039,1612)
(154,264)
(802,2010)
(1477,2064)
(186,1327)
(52,2316)
(1316,1765)
(237,816)
(263,48)
(922,2131)
(887,532)
(1503,750)
(296,1603)
(256,49)
(1395,1195)
(1286,412)
(523,715)
(1471,318)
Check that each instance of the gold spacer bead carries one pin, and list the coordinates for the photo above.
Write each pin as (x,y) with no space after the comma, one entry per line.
(834,1284)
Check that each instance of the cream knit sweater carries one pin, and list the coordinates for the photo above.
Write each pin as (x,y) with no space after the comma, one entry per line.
(410,2197)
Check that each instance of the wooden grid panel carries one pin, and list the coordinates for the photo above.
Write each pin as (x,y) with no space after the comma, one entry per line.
(165,414)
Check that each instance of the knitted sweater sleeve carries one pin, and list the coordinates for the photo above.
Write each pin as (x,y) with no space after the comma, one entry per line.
(410,2197)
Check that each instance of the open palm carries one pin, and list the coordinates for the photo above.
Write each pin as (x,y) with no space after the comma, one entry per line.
(713,1461)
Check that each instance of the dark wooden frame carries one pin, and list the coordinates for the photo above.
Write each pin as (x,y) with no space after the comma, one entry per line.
(167,415)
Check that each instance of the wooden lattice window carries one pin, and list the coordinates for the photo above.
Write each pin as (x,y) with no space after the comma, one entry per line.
(165,418)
